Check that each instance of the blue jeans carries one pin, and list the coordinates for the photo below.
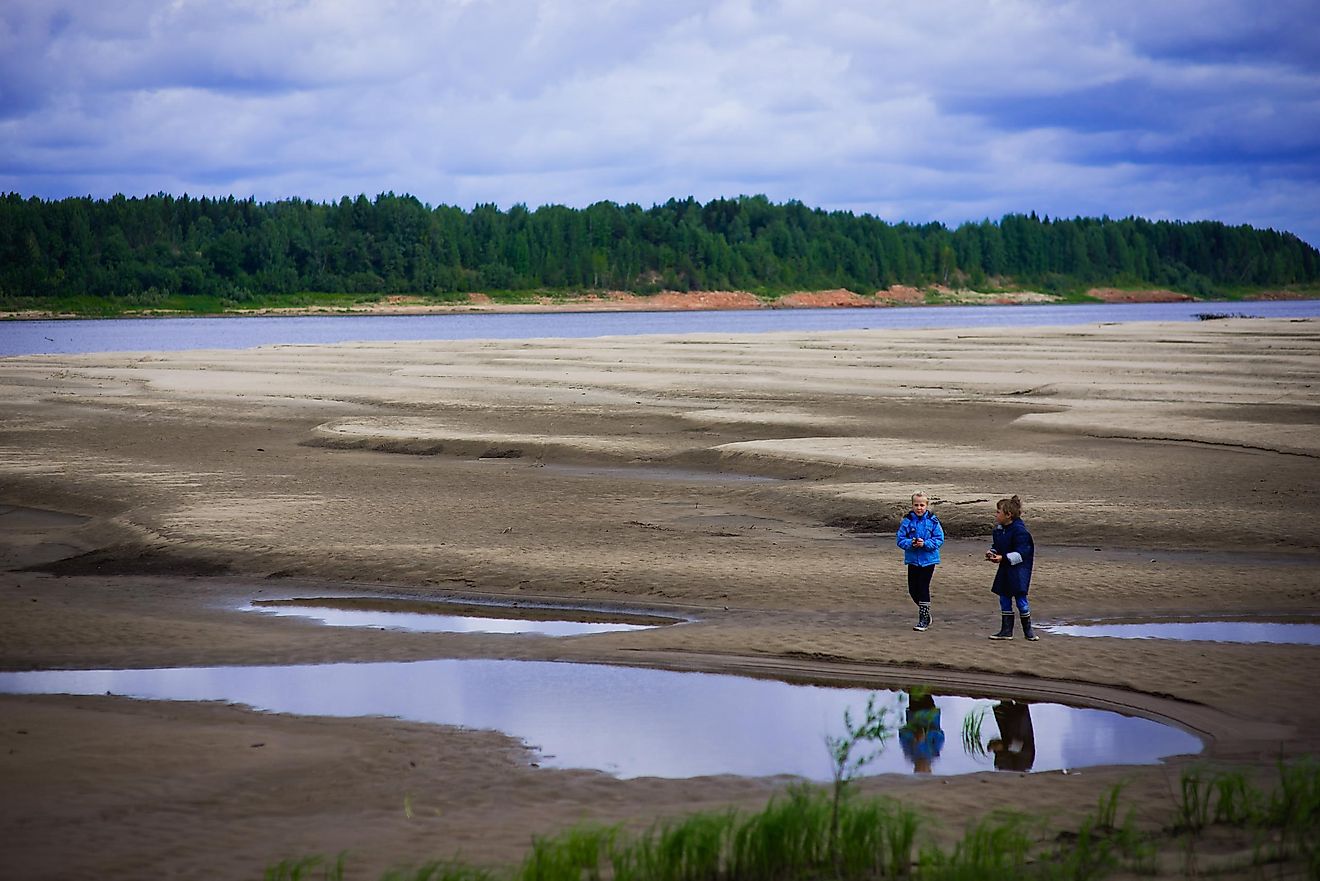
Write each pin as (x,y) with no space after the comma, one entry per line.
(1006,604)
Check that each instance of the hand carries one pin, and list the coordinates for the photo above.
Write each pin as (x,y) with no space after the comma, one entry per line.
(993,557)
(918,542)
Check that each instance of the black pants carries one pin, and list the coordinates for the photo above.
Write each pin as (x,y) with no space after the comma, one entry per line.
(919,582)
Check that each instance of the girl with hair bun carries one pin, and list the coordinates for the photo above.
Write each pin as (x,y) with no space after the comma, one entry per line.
(1012,551)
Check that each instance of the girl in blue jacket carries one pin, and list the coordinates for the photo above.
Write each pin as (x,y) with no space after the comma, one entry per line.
(920,536)
(1012,551)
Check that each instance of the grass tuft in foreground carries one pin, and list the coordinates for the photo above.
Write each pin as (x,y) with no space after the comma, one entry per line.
(814,833)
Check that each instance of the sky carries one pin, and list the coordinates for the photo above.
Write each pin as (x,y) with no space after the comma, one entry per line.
(908,110)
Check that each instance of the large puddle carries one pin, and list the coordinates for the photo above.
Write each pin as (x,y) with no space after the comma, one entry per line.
(1204,631)
(638,722)
(451,618)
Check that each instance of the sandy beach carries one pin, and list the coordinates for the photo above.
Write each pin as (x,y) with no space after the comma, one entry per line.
(1167,470)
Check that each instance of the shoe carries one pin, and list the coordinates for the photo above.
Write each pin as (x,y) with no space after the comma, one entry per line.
(1005,627)
(923,618)
(1027,631)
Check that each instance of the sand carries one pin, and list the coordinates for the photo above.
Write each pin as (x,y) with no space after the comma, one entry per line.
(1167,470)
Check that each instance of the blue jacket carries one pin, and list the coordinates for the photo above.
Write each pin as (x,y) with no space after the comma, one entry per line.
(1013,580)
(926,527)
(922,737)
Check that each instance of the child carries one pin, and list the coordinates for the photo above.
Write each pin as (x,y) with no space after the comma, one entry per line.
(920,536)
(1015,747)
(921,736)
(1012,551)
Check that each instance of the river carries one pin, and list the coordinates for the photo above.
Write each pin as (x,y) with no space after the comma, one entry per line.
(75,336)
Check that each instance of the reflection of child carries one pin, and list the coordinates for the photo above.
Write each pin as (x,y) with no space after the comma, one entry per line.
(1012,551)
(920,536)
(1015,747)
(921,736)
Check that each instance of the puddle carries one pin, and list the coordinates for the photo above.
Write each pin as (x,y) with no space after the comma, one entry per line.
(1203,631)
(638,722)
(421,617)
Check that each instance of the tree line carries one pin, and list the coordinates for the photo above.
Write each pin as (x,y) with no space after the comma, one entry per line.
(141,250)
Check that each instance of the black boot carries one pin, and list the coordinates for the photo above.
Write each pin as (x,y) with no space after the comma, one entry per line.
(1005,627)
(1026,629)
(923,617)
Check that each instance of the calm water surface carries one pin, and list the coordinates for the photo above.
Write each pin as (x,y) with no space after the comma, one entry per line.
(638,722)
(1204,631)
(235,332)
(423,622)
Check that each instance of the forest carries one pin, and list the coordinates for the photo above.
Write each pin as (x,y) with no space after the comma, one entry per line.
(139,253)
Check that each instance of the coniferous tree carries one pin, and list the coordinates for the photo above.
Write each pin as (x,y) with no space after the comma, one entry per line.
(137,251)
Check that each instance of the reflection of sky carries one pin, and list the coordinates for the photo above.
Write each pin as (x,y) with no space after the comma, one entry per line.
(1072,738)
(1210,631)
(434,623)
(631,722)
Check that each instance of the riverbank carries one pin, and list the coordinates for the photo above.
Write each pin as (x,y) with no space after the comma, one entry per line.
(664,301)
(747,482)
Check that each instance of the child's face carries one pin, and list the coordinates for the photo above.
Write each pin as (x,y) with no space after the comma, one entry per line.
(1002,518)
(919,504)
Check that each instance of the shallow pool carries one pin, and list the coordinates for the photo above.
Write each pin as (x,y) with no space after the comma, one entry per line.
(639,722)
(1205,631)
(400,615)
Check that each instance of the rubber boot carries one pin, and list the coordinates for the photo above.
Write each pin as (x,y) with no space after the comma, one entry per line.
(1005,627)
(923,617)
(1026,629)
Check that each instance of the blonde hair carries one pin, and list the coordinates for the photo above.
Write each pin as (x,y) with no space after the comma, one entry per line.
(1012,507)
(920,493)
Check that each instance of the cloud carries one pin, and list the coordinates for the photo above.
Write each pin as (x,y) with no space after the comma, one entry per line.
(948,110)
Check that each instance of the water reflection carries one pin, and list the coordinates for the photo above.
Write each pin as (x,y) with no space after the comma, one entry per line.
(1015,747)
(630,722)
(1207,631)
(921,736)
(435,622)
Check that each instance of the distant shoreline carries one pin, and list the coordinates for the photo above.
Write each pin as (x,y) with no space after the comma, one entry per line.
(675,301)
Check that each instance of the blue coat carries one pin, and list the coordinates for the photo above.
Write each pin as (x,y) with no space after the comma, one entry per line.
(926,527)
(1010,580)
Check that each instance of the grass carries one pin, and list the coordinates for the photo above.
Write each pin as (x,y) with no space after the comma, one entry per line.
(993,849)
(879,838)
(313,868)
(692,849)
(1193,801)
(1285,821)
(439,871)
(850,752)
(574,856)
(1244,292)
(972,741)
(789,839)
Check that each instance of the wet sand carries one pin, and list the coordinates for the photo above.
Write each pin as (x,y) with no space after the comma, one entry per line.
(1167,470)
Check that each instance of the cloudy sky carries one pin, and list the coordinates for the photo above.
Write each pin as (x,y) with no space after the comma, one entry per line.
(915,110)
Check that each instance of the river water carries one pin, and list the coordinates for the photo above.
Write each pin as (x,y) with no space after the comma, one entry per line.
(74,336)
